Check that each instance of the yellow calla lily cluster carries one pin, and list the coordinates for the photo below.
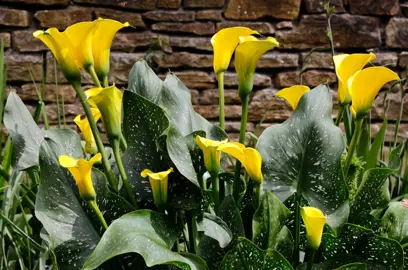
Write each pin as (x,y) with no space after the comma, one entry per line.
(84,45)
(83,125)
(314,221)
(293,94)
(81,171)
(159,183)
(249,157)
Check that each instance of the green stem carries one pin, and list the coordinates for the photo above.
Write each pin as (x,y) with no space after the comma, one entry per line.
(242,132)
(4,173)
(91,71)
(222,190)
(339,115)
(123,143)
(97,136)
(192,232)
(105,82)
(215,187)
(57,94)
(257,196)
(353,145)
(95,208)
(397,124)
(347,123)
(310,259)
(297,233)
(220,77)
(44,117)
(128,188)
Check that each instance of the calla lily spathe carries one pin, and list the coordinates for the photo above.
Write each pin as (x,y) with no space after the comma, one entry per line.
(364,86)
(247,55)
(83,125)
(224,43)
(211,154)
(159,183)
(346,66)
(81,171)
(293,94)
(249,158)
(314,221)
(109,103)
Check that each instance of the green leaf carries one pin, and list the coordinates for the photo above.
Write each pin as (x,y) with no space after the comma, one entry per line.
(303,155)
(371,160)
(373,192)
(365,140)
(396,156)
(215,228)
(147,233)
(268,221)
(353,266)
(27,136)
(394,223)
(246,255)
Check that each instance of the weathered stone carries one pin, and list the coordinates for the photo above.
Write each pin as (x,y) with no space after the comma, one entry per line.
(231,79)
(377,111)
(212,111)
(348,32)
(194,97)
(403,60)
(402,133)
(210,96)
(71,111)
(6,39)
(40,2)
(23,41)
(316,6)
(206,28)
(134,19)
(252,10)
(397,33)
(318,60)
(284,25)
(235,127)
(131,4)
(195,79)
(276,60)
(310,78)
(389,59)
(183,59)
(209,15)
(129,42)
(198,43)
(171,4)
(203,3)
(169,16)
(374,7)
(61,19)
(120,66)
(404,8)
(14,17)
(18,66)
(262,27)
(28,92)
(50,75)
(264,105)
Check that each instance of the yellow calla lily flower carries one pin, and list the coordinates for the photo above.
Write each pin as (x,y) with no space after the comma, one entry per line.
(83,124)
(293,94)
(159,183)
(346,66)
(90,93)
(249,158)
(211,154)
(224,43)
(364,86)
(314,221)
(247,55)
(63,51)
(81,171)
(109,103)
(102,38)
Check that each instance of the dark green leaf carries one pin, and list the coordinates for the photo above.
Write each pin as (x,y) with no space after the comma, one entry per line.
(303,155)
(215,228)
(353,266)
(371,160)
(394,223)
(147,233)
(396,156)
(365,140)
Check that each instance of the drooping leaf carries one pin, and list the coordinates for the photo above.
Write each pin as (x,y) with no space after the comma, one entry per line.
(27,136)
(303,155)
(215,228)
(147,233)
(396,156)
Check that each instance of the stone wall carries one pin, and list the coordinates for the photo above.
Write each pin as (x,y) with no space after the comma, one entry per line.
(174,35)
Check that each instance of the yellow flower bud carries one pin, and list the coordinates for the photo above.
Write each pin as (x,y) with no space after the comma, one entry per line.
(293,94)
(83,125)
(81,171)
(159,183)
(314,221)
(211,154)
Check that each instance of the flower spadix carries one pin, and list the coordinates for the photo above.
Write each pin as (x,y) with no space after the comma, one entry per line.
(159,183)
(249,158)
(314,221)
(83,125)
(346,66)
(364,86)
(81,171)
(293,94)
(224,43)
(247,54)
(211,154)
(109,102)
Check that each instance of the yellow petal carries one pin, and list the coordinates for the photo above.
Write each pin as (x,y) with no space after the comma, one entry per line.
(156,176)
(346,66)
(314,221)
(83,125)
(365,85)
(247,55)
(233,149)
(224,43)
(293,94)
(210,153)
(67,161)
(102,38)
(92,92)
(159,184)
(253,164)
(96,158)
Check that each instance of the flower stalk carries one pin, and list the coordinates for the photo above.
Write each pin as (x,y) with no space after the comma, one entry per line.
(310,259)
(91,71)
(353,144)
(339,115)
(92,204)
(220,77)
